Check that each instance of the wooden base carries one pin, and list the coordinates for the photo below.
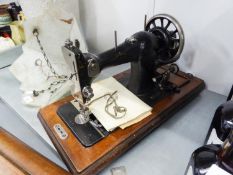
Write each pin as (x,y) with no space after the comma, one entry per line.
(91,160)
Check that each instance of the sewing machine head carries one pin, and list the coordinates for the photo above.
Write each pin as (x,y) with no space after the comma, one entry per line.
(161,43)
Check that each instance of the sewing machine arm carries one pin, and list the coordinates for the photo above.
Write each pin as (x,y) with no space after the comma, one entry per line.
(146,51)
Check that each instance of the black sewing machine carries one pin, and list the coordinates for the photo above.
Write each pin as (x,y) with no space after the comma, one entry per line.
(82,142)
(161,43)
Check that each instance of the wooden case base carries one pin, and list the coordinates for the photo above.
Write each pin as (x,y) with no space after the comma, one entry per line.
(91,160)
(17,158)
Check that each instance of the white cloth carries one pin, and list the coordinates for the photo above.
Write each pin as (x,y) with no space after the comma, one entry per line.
(53,32)
(34,8)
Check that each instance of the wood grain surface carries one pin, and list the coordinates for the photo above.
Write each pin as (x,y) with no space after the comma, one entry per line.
(91,160)
(9,168)
(17,158)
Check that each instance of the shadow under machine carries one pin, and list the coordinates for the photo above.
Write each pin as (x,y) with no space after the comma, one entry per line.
(84,144)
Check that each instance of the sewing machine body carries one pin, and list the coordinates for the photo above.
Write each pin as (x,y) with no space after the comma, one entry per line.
(87,149)
(145,50)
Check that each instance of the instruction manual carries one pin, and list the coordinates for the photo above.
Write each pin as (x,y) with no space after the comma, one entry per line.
(136,109)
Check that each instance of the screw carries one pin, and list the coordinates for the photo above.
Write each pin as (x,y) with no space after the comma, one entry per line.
(35,32)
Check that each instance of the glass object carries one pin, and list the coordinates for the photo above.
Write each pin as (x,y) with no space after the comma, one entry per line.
(222,155)
(223,120)
(118,171)
(225,155)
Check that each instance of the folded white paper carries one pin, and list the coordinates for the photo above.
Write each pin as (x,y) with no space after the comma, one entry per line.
(135,107)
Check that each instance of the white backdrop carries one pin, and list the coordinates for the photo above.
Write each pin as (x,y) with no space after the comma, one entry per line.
(208,26)
(99,19)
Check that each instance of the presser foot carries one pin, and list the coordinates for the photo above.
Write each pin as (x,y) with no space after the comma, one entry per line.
(88,133)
